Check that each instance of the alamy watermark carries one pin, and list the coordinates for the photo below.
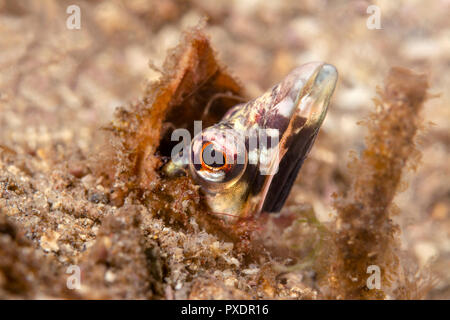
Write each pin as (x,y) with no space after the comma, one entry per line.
(74,280)
(374,280)
(374,20)
(73,21)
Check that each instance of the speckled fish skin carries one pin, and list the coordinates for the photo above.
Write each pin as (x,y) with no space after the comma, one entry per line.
(296,108)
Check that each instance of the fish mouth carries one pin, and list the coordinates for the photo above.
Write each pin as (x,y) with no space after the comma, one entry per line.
(314,98)
(310,88)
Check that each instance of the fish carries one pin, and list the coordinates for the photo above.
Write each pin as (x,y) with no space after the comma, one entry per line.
(247,163)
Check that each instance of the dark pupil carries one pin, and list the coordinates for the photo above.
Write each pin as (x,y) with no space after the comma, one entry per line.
(212,157)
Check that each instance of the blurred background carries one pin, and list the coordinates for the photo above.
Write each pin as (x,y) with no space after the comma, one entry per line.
(58,86)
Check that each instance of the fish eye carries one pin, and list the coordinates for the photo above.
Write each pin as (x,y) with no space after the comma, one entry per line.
(213,158)
(218,159)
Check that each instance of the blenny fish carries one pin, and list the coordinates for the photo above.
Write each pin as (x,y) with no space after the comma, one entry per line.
(242,179)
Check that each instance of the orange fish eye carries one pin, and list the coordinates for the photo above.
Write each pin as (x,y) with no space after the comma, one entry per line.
(209,151)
